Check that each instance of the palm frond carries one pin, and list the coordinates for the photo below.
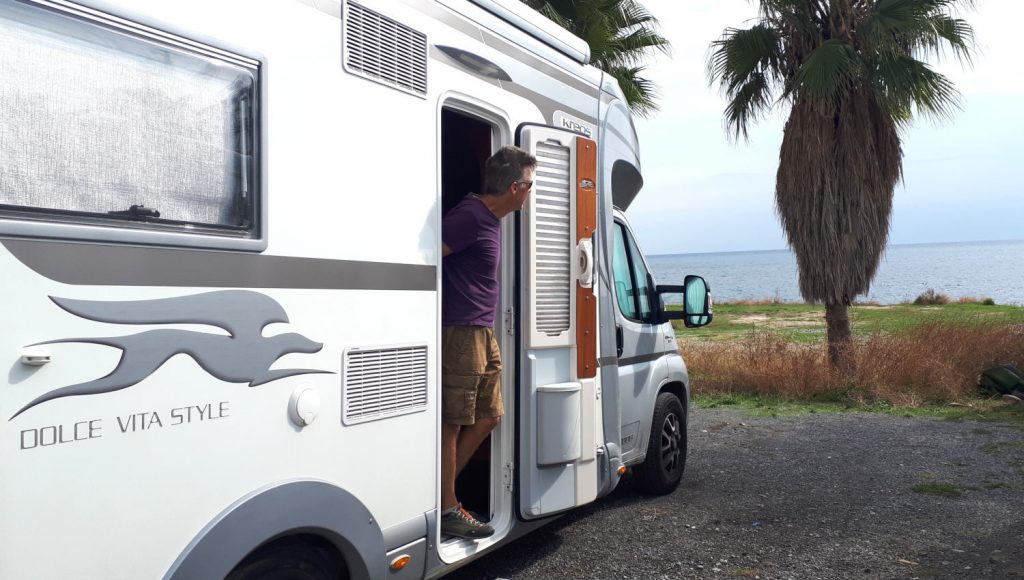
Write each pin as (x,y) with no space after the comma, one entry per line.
(741,53)
(958,34)
(749,102)
(640,93)
(827,76)
(621,34)
(906,84)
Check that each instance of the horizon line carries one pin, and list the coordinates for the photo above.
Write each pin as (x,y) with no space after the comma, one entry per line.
(786,249)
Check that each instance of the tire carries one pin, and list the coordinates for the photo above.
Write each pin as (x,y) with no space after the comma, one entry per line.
(662,469)
(290,559)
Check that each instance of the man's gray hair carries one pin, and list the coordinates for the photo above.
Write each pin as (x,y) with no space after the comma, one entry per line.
(504,168)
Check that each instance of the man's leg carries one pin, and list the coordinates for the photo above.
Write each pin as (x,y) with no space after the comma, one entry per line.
(460,381)
(489,405)
(470,437)
(449,471)
(456,521)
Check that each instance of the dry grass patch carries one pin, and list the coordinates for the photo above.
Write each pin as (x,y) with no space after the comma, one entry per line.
(929,363)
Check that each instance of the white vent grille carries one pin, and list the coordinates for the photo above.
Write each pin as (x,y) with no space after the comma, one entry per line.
(553,247)
(384,382)
(384,50)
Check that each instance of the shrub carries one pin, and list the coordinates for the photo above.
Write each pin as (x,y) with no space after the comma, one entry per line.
(930,297)
(763,362)
(974,300)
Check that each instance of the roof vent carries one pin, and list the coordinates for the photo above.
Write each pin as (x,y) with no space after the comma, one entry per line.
(383,382)
(385,51)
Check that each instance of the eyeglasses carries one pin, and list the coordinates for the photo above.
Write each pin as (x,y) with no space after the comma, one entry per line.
(529,184)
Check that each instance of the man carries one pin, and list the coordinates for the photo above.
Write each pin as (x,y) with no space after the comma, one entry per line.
(470,361)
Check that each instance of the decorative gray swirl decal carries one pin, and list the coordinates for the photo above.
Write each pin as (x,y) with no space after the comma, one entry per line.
(244,356)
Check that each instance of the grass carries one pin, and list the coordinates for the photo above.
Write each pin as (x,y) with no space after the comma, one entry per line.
(1006,446)
(936,488)
(998,485)
(757,405)
(806,322)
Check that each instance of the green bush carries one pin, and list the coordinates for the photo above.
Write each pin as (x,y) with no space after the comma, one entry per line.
(930,298)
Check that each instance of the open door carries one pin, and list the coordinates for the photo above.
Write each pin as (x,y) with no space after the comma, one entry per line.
(559,391)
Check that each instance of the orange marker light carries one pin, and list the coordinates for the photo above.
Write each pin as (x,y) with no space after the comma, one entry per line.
(400,562)
(622,470)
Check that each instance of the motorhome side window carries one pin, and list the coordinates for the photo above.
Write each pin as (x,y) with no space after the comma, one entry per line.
(632,290)
(106,124)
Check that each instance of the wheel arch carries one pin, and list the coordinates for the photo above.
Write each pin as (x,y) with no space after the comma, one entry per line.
(680,390)
(292,508)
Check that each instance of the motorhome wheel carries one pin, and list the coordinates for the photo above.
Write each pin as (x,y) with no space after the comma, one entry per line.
(662,470)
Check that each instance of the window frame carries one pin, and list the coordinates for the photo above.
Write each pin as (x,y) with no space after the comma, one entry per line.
(69,225)
(629,243)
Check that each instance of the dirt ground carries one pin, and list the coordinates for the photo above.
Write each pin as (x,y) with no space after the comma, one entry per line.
(808,496)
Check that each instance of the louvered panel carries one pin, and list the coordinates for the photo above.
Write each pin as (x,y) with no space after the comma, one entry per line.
(552,236)
(384,382)
(384,50)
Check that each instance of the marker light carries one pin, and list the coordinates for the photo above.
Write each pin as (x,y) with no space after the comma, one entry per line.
(622,470)
(400,562)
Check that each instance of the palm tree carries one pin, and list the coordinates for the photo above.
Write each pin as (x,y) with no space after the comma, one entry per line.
(853,76)
(621,34)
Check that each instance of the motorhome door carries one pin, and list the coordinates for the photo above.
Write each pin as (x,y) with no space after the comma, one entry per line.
(559,411)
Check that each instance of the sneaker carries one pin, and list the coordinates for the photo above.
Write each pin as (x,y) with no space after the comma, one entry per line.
(463,525)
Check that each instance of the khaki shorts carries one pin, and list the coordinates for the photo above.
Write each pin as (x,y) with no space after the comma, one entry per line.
(470,375)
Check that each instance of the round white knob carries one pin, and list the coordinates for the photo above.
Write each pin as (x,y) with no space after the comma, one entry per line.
(304,405)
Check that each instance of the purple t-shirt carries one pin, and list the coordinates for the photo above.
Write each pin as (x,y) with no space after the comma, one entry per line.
(469,275)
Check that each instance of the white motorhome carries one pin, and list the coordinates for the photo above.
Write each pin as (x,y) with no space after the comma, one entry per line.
(220,251)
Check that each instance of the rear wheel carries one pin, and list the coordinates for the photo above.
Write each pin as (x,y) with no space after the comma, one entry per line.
(662,470)
(291,559)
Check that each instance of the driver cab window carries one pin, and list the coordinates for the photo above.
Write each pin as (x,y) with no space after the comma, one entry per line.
(643,287)
(625,291)
(632,288)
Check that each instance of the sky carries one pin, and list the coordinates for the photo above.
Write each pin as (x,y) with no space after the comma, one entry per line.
(963,178)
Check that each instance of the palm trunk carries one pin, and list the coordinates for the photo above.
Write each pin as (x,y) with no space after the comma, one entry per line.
(840,345)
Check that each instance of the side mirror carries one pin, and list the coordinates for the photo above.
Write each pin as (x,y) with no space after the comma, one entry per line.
(697,304)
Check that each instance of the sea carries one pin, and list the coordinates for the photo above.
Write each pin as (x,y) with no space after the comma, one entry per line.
(958,269)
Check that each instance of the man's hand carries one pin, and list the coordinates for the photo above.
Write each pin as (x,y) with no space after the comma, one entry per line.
(445,250)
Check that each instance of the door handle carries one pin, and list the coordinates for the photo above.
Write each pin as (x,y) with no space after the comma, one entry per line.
(618,340)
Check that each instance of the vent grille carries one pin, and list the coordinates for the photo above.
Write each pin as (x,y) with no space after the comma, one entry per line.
(384,50)
(384,382)
(552,230)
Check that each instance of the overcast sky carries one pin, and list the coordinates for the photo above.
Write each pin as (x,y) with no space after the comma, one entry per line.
(963,180)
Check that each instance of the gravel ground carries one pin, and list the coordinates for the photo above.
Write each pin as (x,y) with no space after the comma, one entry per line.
(808,496)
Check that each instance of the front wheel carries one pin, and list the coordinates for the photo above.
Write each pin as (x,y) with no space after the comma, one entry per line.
(662,470)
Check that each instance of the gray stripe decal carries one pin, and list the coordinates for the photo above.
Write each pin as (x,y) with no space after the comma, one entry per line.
(547,105)
(102,265)
(614,131)
(632,360)
(511,50)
